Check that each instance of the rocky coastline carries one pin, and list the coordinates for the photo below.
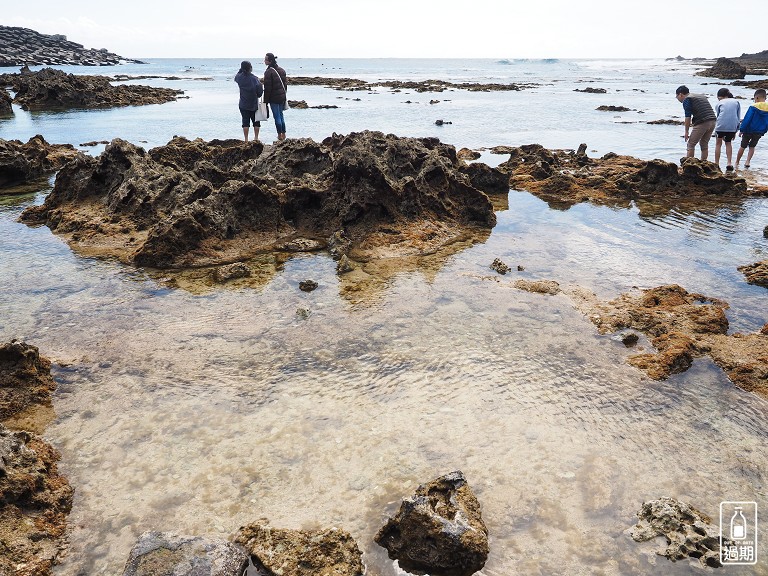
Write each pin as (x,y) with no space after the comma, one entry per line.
(26,162)
(353,84)
(52,89)
(25,47)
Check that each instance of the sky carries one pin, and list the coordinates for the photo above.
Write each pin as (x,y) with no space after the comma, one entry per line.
(400,28)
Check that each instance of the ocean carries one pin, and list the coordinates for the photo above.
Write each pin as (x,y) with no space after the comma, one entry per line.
(188,407)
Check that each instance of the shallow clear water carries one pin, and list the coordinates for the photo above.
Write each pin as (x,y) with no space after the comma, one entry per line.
(199,409)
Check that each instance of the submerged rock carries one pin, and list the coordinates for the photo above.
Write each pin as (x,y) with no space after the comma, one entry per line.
(20,162)
(499,266)
(725,69)
(439,530)
(539,286)
(25,379)
(687,532)
(54,89)
(328,552)
(193,203)
(166,553)
(232,271)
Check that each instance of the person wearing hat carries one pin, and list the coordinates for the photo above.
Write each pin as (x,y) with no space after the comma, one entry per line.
(728,112)
(276,92)
(699,121)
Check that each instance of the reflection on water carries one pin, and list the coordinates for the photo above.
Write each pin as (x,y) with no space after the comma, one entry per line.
(201,410)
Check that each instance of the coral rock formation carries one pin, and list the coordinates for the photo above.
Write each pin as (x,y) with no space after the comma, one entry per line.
(725,69)
(20,162)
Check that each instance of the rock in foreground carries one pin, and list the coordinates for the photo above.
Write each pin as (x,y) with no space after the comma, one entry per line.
(21,162)
(25,379)
(688,532)
(193,203)
(756,273)
(329,552)
(165,553)
(439,530)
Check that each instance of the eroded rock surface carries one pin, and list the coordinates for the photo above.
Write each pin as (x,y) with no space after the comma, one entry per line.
(687,532)
(166,553)
(756,273)
(5,103)
(283,552)
(439,530)
(725,69)
(25,378)
(54,89)
(21,162)
(193,203)
(565,178)
(682,326)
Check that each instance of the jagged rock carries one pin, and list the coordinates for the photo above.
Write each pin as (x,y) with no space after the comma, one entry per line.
(307,285)
(298,104)
(756,273)
(725,69)
(349,84)
(5,103)
(328,552)
(467,154)
(439,530)
(22,46)
(687,532)
(54,89)
(25,378)
(483,177)
(169,554)
(193,203)
(344,265)
(613,109)
(21,162)
(499,266)
(565,178)
(666,121)
(34,503)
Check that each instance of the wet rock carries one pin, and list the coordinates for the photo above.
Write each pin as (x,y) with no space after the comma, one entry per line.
(399,85)
(756,273)
(54,89)
(193,203)
(34,503)
(538,286)
(303,245)
(298,104)
(687,532)
(667,121)
(441,122)
(564,178)
(499,266)
(328,552)
(5,104)
(591,90)
(20,162)
(629,339)
(232,271)
(307,285)
(467,154)
(764,330)
(25,378)
(725,69)
(765,232)
(344,265)
(483,177)
(439,530)
(303,313)
(166,553)
(613,109)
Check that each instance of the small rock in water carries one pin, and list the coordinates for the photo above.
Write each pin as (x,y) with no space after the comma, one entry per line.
(231,272)
(499,266)
(629,339)
(441,122)
(765,232)
(303,313)
(307,285)
(344,265)
(520,268)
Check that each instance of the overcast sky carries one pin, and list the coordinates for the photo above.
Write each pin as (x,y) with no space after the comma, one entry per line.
(401,28)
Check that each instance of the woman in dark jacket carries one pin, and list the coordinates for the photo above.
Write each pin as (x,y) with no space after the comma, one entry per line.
(275,92)
(250,92)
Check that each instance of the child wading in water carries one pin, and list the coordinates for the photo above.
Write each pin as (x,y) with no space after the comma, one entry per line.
(728,112)
(754,125)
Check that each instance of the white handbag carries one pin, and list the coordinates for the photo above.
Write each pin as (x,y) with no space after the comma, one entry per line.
(262,112)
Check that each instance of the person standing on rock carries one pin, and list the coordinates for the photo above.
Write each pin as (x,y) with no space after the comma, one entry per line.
(250,92)
(728,111)
(753,127)
(276,92)
(699,115)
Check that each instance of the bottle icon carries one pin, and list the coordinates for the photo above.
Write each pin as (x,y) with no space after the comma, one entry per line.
(738,525)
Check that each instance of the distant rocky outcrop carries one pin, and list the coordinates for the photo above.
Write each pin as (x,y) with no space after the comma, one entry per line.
(351,84)
(591,90)
(725,69)
(326,552)
(34,499)
(20,162)
(439,530)
(22,46)
(193,203)
(54,89)
(564,178)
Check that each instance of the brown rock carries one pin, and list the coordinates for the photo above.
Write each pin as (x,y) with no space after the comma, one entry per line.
(439,530)
(5,104)
(483,177)
(21,162)
(328,552)
(25,379)
(591,90)
(232,271)
(725,69)
(613,109)
(499,266)
(756,273)
(193,203)
(538,286)
(467,154)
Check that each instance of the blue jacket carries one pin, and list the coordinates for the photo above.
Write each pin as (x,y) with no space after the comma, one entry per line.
(250,90)
(755,122)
